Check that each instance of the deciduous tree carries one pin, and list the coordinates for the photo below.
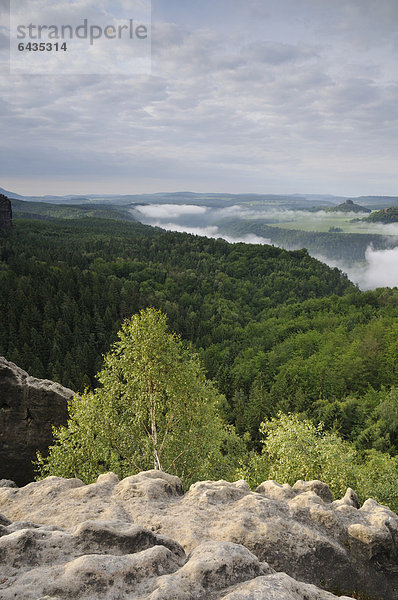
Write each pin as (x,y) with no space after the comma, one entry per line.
(154,409)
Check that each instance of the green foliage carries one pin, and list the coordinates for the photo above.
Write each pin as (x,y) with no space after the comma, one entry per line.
(155,409)
(276,330)
(378,478)
(45,210)
(295,448)
(386,215)
(348,206)
(280,327)
(350,247)
(66,286)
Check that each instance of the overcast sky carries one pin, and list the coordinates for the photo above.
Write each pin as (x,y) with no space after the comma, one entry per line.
(244,96)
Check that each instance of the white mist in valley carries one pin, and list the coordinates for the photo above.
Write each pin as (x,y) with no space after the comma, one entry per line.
(379,269)
(169,211)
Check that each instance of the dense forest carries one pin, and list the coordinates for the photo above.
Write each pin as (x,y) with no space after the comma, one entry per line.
(276,330)
(45,210)
(349,248)
(73,282)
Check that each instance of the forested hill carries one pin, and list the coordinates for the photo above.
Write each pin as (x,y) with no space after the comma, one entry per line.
(386,215)
(66,286)
(277,330)
(347,247)
(349,206)
(47,211)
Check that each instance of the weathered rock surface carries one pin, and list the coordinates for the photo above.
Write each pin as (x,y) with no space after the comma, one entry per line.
(115,560)
(232,539)
(5,212)
(28,408)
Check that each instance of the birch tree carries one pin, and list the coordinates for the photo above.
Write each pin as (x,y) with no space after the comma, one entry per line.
(154,409)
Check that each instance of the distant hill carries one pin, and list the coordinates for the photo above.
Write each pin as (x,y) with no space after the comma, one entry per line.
(311,202)
(349,248)
(386,215)
(348,206)
(377,202)
(290,201)
(46,211)
(10,194)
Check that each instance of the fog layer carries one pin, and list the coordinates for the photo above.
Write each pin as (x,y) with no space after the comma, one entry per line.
(380,268)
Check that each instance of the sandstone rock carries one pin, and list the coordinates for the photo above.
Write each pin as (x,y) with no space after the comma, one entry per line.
(332,545)
(318,487)
(350,499)
(28,409)
(5,212)
(4,520)
(277,587)
(148,485)
(211,566)
(7,483)
(116,560)
(276,491)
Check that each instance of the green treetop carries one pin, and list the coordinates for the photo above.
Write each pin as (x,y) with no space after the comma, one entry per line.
(154,409)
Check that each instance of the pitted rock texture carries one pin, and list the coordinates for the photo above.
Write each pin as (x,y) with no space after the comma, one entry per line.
(28,408)
(299,531)
(116,560)
(5,212)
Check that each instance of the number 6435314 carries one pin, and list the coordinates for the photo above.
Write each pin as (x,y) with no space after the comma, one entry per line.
(42,47)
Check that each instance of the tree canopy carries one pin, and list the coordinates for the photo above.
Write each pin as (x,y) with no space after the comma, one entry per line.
(154,409)
(294,448)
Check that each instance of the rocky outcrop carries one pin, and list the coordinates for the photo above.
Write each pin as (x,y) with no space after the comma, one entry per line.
(114,559)
(28,408)
(5,212)
(349,206)
(219,540)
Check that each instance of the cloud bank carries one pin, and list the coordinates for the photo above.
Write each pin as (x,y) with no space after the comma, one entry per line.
(169,211)
(249,96)
(381,269)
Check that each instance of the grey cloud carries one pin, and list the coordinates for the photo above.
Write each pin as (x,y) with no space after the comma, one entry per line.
(167,35)
(219,110)
(350,95)
(4,8)
(4,39)
(259,8)
(367,22)
(277,53)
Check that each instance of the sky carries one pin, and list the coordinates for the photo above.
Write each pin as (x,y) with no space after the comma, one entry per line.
(294,96)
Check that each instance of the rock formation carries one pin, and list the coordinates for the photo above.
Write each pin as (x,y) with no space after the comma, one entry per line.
(142,538)
(349,206)
(119,560)
(5,212)
(28,408)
